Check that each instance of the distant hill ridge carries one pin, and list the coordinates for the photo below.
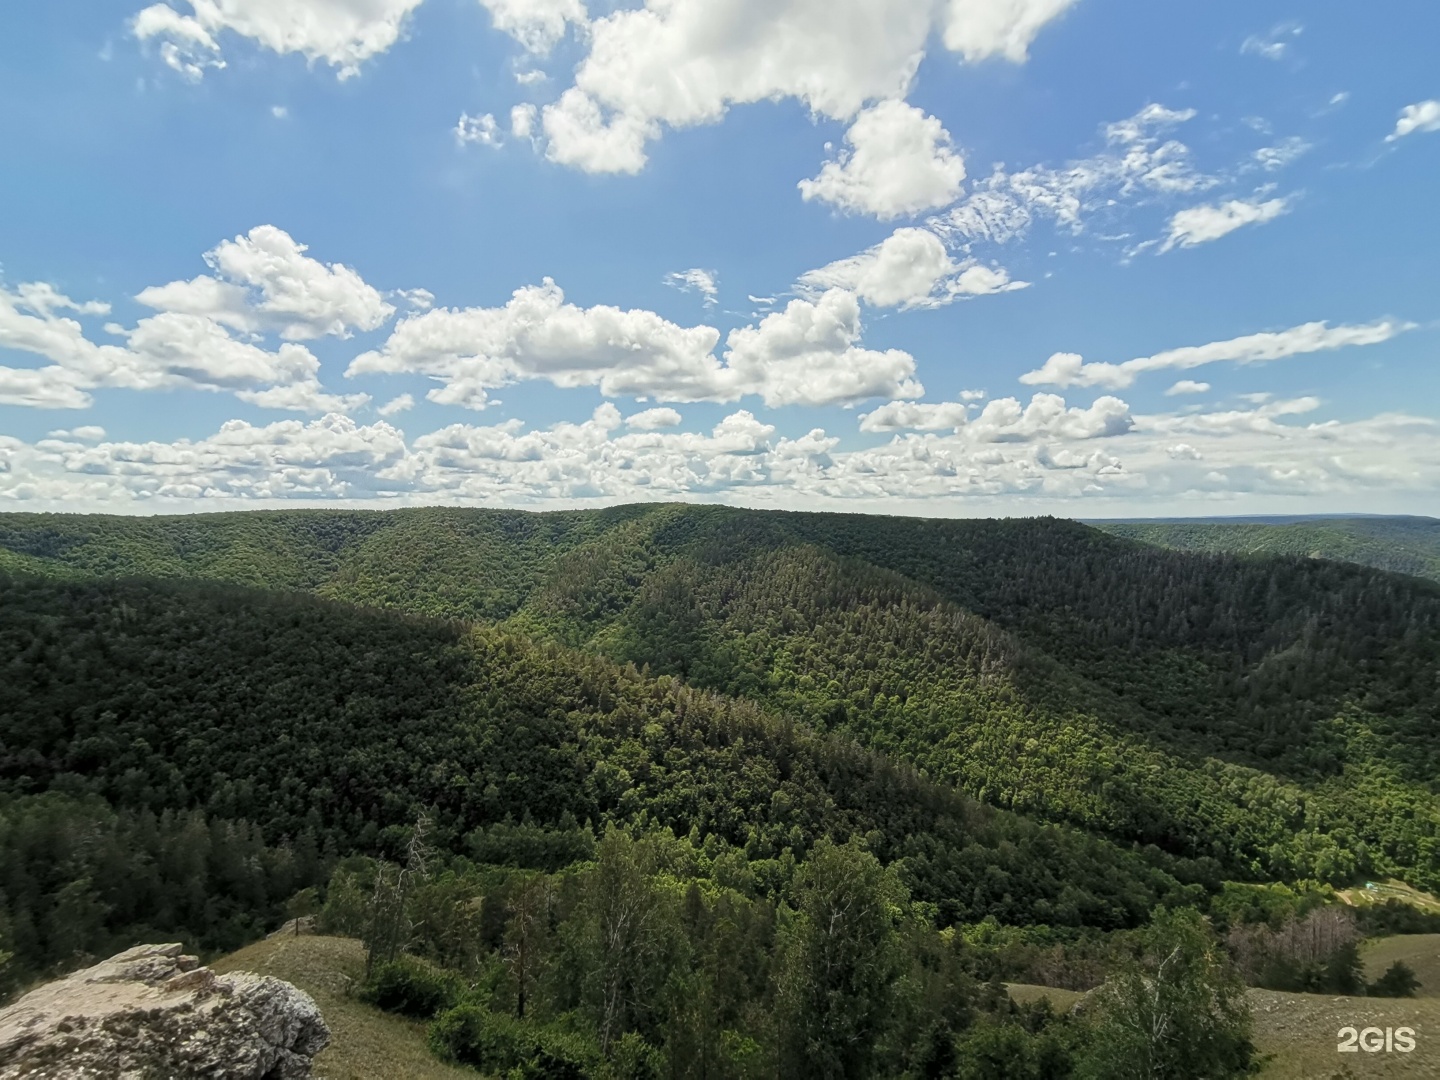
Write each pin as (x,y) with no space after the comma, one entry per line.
(1401,544)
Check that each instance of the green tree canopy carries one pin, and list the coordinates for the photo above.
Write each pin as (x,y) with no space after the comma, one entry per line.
(1175,1011)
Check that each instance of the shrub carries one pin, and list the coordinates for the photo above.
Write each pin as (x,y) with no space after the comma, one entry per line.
(499,1043)
(412,987)
(1398,981)
(635,1059)
(1004,1049)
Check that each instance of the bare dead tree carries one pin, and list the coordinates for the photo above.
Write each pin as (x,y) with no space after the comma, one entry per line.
(387,927)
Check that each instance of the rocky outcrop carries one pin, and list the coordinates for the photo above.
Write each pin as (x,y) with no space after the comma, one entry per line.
(151,1013)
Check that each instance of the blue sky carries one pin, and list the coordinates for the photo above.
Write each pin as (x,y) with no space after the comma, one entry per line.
(952,257)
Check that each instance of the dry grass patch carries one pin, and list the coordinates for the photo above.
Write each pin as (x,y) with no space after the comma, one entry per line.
(365,1043)
(1060,1000)
(1300,1031)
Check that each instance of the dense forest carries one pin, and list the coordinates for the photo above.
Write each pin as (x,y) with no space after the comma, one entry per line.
(1404,545)
(1033,749)
(650,960)
(131,710)
(1275,715)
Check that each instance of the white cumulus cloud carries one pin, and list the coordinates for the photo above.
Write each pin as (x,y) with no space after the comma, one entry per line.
(1188,386)
(537,335)
(672,64)
(579,134)
(910,268)
(186,46)
(85,433)
(898,162)
(977,29)
(1046,416)
(477,129)
(342,33)
(1273,158)
(1043,456)
(402,403)
(43,388)
(592,460)
(418,299)
(306,396)
(1422,116)
(536,24)
(263,280)
(809,353)
(916,416)
(522,121)
(653,420)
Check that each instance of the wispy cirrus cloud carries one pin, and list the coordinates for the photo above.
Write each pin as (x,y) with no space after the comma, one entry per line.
(481,130)
(1140,160)
(1070,369)
(699,280)
(1211,221)
(1274,44)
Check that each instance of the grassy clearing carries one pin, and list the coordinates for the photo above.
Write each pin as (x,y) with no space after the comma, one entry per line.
(1376,892)
(1060,1000)
(365,1043)
(1299,1032)
(1420,951)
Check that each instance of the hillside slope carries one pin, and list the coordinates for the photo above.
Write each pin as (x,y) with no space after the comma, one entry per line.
(1297,1034)
(365,1043)
(1275,715)
(1404,545)
(183,756)
(1031,723)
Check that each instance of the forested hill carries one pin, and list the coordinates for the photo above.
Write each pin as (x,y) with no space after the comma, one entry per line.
(183,756)
(1275,716)
(1405,545)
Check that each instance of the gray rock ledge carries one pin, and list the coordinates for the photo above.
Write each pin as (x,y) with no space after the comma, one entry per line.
(152,1013)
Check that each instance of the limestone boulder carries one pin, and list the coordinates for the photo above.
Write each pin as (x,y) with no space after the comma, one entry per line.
(152,1012)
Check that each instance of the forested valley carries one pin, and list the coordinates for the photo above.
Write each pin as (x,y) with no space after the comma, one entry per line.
(692,791)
